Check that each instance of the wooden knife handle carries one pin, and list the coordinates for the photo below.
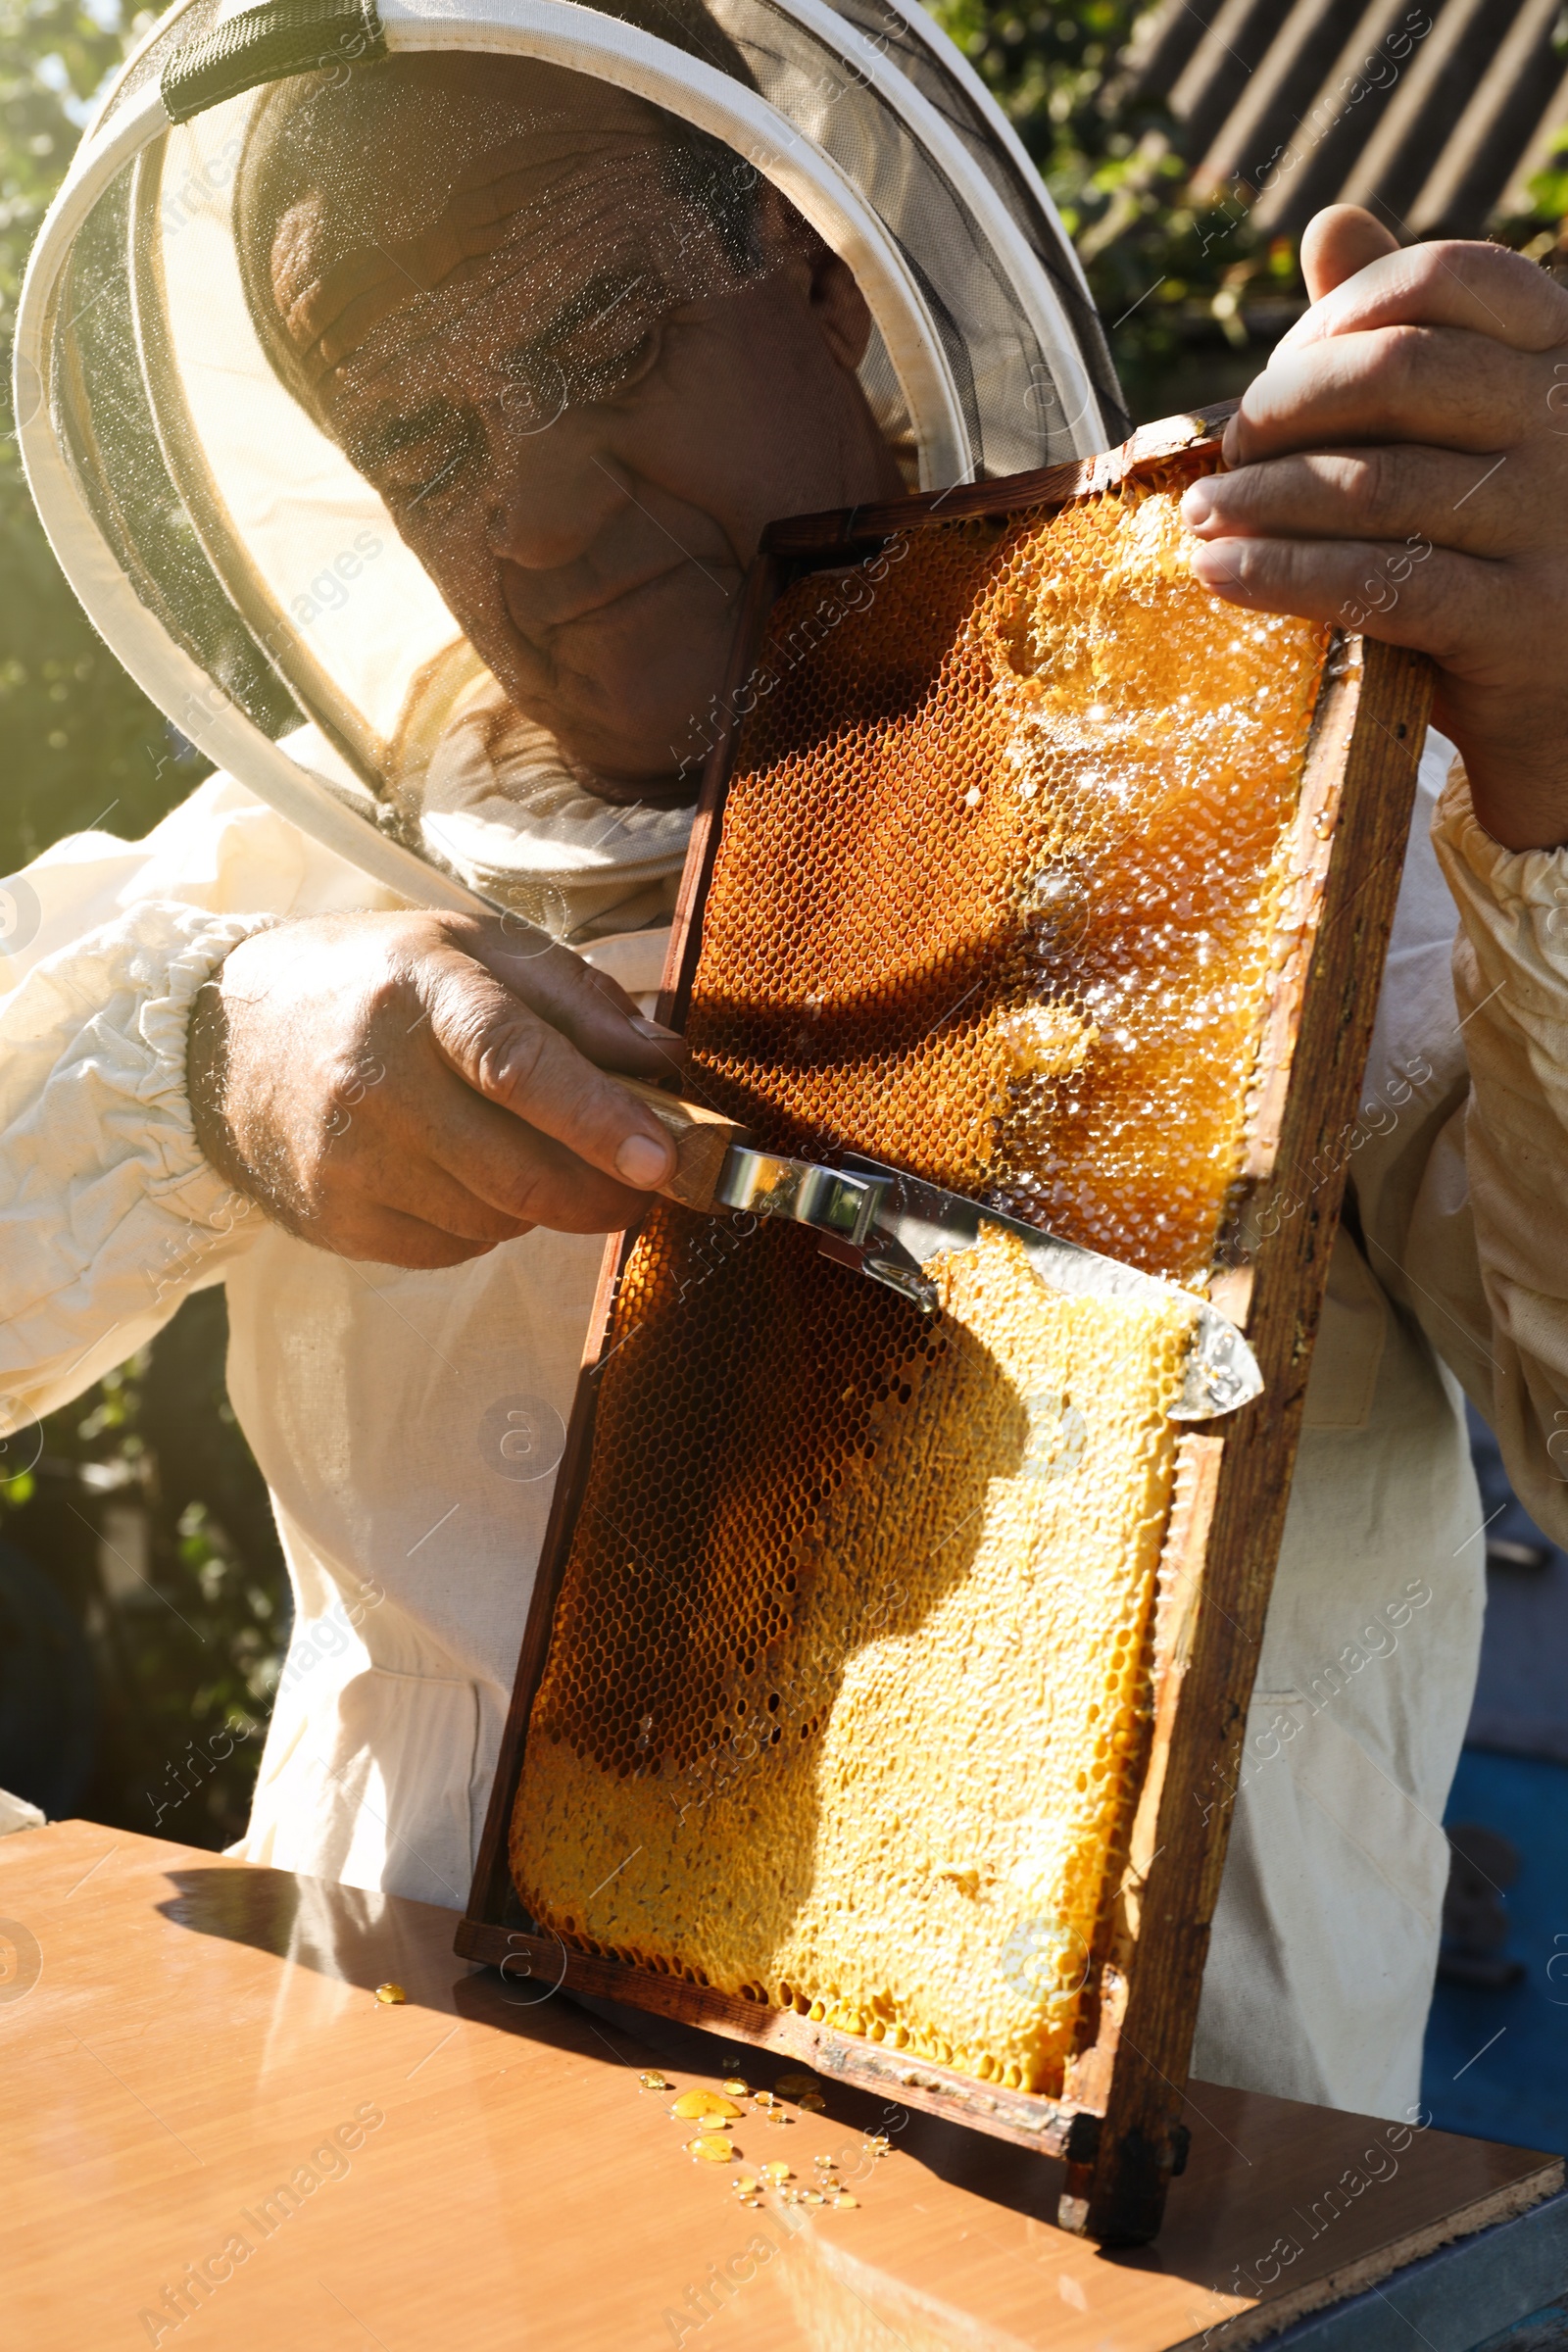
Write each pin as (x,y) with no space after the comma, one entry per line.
(701,1138)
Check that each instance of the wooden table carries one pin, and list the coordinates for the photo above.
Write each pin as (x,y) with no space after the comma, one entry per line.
(194,2060)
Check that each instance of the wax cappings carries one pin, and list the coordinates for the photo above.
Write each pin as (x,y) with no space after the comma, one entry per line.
(849,1687)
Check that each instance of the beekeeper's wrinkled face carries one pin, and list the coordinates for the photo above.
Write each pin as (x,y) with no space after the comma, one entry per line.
(583,369)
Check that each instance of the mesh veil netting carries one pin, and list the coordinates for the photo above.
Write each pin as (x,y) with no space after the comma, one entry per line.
(432,408)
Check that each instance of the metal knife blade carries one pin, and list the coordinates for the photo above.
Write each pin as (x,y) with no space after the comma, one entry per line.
(890,1226)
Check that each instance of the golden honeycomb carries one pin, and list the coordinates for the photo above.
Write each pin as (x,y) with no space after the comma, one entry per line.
(847,1683)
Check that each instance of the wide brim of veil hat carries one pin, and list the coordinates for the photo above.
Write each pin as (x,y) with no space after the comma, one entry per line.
(252,582)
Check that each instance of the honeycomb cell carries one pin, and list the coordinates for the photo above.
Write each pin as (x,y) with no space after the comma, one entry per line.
(848,1681)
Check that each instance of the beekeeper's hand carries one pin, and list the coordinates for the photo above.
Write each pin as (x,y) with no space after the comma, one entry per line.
(1401,466)
(416,1088)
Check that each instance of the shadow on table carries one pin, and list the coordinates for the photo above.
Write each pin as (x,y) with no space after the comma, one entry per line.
(359,1936)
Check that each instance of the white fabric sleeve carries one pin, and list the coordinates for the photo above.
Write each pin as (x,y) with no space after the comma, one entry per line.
(1467,1216)
(109,1214)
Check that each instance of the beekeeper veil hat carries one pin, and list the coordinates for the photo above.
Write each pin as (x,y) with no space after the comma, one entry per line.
(404,393)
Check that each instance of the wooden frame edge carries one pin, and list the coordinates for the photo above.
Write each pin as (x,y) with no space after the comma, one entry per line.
(1049,2126)
(1119,2198)
(820,538)
(764,583)
(491,1894)
(1305,854)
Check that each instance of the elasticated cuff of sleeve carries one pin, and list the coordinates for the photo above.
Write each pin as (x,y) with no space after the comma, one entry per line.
(108,1211)
(165,1027)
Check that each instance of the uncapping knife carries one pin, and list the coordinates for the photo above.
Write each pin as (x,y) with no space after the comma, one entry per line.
(890,1226)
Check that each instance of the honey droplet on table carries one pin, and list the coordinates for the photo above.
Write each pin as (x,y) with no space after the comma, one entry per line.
(652,2081)
(747,2187)
(844,2200)
(776,2172)
(389,1994)
(811,2196)
(826,2164)
(709,2147)
(812,2101)
(696,2105)
(766,2100)
(735,2088)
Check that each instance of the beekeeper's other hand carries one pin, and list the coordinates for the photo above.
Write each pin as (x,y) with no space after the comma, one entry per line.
(416,1088)
(1401,466)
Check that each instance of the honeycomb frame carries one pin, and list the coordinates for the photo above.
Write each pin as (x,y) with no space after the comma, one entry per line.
(1116,2120)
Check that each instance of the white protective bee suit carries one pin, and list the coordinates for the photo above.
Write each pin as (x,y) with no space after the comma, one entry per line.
(407,1423)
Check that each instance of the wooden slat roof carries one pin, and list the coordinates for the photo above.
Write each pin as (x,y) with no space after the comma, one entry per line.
(1434,115)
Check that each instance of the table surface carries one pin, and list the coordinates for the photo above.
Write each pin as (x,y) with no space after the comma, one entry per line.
(181,2037)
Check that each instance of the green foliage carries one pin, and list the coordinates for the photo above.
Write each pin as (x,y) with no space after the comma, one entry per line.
(76,738)
(1167,269)
(145,1510)
(149,1516)
(1548,187)
(54,55)
(1542,230)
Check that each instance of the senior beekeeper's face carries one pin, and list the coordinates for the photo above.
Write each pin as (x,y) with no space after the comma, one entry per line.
(585,355)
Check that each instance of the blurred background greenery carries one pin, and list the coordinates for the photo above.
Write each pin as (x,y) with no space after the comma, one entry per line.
(143,1604)
(142,1594)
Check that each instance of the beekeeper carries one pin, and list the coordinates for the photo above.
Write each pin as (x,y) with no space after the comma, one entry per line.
(406,404)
